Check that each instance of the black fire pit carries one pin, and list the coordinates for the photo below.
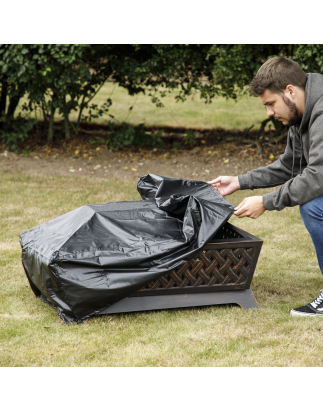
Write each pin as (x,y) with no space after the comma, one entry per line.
(221,273)
(142,255)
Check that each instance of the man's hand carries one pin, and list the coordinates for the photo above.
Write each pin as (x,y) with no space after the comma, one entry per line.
(225,185)
(251,207)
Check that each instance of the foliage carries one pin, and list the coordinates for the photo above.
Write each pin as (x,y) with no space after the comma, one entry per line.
(310,57)
(54,77)
(128,135)
(14,76)
(176,145)
(60,78)
(15,130)
(96,111)
(190,138)
(235,65)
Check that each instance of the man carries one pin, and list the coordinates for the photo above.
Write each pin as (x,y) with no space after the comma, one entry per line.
(296,99)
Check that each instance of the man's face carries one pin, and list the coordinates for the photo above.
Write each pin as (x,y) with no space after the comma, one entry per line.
(281,107)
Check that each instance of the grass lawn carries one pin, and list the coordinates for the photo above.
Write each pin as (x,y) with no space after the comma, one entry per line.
(32,334)
(193,113)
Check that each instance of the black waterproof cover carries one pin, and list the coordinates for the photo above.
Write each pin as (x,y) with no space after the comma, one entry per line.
(88,259)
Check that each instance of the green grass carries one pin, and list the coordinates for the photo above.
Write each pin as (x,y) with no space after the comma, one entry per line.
(31,333)
(193,113)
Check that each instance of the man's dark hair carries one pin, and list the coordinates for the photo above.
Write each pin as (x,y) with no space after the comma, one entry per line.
(275,75)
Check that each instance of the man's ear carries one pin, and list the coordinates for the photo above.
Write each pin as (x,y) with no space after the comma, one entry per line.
(290,90)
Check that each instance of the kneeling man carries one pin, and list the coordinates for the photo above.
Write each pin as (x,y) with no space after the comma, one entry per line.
(296,99)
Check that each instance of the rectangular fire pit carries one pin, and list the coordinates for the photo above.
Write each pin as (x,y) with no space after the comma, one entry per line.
(221,273)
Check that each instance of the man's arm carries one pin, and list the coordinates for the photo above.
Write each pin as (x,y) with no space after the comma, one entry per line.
(270,176)
(225,185)
(250,207)
(308,185)
(274,174)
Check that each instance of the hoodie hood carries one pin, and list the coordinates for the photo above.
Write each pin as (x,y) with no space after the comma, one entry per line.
(313,92)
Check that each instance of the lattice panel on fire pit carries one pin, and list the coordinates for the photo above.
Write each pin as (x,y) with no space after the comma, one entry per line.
(210,267)
(226,232)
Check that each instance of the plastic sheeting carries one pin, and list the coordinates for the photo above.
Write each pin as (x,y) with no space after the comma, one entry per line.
(88,259)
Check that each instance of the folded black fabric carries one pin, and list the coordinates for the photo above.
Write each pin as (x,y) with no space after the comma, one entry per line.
(88,259)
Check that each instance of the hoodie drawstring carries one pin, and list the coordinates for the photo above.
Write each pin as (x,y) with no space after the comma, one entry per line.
(293,157)
(300,162)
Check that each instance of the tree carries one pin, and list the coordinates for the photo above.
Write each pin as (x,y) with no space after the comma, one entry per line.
(64,78)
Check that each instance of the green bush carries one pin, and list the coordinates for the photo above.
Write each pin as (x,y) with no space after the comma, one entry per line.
(129,135)
(15,131)
(61,78)
(190,138)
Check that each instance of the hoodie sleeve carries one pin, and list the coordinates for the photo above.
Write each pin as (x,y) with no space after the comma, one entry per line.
(303,187)
(276,173)
(308,185)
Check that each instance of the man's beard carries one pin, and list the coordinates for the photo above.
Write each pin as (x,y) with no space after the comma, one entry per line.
(295,118)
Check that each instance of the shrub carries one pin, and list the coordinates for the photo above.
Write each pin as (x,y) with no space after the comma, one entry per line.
(128,135)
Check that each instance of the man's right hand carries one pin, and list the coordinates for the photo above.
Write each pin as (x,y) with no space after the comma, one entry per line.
(225,185)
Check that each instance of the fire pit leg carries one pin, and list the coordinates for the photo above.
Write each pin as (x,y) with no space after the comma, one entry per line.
(244,298)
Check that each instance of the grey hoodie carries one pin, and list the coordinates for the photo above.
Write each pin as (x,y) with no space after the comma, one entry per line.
(300,167)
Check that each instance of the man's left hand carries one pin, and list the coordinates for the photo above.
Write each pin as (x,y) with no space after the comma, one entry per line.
(251,207)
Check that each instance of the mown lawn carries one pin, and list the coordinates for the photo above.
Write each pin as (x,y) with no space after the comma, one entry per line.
(31,333)
(193,113)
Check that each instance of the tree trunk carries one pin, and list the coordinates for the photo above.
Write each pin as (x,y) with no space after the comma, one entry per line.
(14,101)
(83,105)
(51,125)
(79,117)
(45,117)
(3,97)
(67,127)
(3,101)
